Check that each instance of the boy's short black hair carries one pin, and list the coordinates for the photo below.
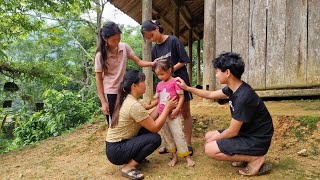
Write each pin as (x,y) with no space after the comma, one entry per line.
(230,60)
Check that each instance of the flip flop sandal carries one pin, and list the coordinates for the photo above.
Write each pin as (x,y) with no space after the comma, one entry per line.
(133,176)
(165,150)
(145,161)
(190,149)
(264,169)
(239,164)
(249,171)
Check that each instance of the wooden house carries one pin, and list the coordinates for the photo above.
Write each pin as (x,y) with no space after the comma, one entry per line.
(279,40)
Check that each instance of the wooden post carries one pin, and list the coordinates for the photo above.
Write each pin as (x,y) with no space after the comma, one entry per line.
(209,45)
(190,55)
(176,21)
(146,52)
(198,63)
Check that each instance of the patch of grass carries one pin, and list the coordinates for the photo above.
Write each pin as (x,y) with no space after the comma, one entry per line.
(287,163)
(199,128)
(307,125)
(314,149)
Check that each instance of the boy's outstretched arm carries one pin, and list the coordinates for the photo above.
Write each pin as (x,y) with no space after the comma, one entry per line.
(218,94)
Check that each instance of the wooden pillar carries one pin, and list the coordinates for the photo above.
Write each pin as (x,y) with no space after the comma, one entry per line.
(177,21)
(146,51)
(209,45)
(198,63)
(190,55)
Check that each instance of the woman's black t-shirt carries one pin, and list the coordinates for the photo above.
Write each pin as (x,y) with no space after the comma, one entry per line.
(173,50)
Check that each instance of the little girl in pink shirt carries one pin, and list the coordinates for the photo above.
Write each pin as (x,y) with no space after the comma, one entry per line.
(171,132)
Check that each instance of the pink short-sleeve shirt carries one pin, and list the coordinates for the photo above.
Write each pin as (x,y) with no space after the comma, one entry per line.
(165,89)
(116,67)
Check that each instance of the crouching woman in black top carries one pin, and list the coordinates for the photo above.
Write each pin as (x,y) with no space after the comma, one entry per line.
(133,133)
(248,137)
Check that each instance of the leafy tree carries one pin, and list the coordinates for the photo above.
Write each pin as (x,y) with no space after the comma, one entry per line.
(20,17)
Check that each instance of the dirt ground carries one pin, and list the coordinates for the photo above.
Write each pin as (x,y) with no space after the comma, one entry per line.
(81,154)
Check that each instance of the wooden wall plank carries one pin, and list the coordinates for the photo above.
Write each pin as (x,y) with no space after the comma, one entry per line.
(223,28)
(276,39)
(313,72)
(240,30)
(257,44)
(296,43)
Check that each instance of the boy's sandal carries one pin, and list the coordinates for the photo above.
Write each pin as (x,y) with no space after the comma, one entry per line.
(249,171)
(239,164)
(134,175)
(190,149)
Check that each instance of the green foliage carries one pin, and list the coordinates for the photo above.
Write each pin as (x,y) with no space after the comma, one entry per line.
(132,36)
(20,17)
(63,111)
(5,144)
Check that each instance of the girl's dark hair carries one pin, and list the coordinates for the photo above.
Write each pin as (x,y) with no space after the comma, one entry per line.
(109,29)
(151,25)
(164,65)
(131,77)
(230,60)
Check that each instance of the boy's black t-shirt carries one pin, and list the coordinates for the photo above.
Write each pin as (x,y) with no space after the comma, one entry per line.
(173,50)
(248,107)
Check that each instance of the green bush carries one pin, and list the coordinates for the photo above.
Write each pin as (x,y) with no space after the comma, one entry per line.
(63,111)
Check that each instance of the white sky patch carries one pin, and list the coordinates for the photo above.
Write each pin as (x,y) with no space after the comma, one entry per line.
(111,13)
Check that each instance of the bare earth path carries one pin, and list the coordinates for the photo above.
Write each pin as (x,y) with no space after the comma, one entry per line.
(81,155)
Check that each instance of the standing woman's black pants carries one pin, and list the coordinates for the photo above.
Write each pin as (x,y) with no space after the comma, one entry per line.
(111,98)
(137,148)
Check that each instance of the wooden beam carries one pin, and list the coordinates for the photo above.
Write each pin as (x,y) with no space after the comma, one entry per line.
(167,23)
(198,63)
(176,20)
(190,56)
(186,16)
(289,92)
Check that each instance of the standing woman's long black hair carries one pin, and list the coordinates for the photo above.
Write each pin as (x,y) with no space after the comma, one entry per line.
(107,30)
(131,77)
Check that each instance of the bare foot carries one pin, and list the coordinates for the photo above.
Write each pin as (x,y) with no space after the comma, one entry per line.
(174,160)
(190,162)
(257,163)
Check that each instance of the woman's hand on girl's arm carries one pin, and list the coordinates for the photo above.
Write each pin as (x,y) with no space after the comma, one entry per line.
(151,105)
(177,110)
(156,125)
